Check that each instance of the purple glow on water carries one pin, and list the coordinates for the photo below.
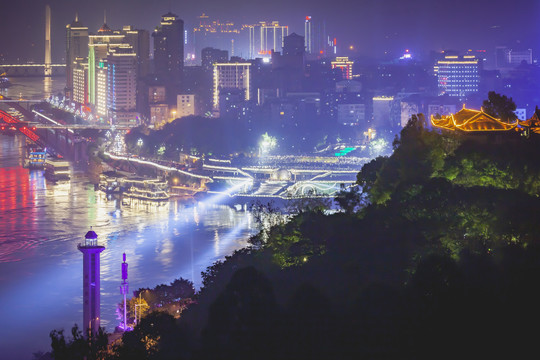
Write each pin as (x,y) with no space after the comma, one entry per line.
(41,268)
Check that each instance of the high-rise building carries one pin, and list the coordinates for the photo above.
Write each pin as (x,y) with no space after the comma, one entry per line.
(458,75)
(169,54)
(317,42)
(80,81)
(231,76)
(76,47)
(210,56)
(139,40)
(122,87)
(101,89)
(98,49)
(345,65)
(288,70)
(91,282)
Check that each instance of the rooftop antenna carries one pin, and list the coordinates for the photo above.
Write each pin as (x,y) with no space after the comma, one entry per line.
(76,16)
(105,16)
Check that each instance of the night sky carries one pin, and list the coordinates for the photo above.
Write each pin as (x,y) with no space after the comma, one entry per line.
(371,26)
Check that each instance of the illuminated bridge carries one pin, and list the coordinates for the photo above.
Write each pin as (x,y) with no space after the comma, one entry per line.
(32,69)
(260,182)
(282,182)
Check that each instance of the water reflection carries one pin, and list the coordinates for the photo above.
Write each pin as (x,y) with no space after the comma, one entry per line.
(41,268)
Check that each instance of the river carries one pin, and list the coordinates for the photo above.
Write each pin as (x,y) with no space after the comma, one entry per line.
(41,224)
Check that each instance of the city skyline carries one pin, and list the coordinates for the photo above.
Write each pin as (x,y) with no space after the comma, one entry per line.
(371,28)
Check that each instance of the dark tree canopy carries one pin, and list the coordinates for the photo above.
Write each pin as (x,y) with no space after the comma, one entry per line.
(500,106)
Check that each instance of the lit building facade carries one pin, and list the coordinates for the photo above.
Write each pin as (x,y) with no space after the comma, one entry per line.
(185,105)
(231,76)
(458,75)
(122,88)
(101,89)
(76,47)
(98,49)
(80,81)
(345,65)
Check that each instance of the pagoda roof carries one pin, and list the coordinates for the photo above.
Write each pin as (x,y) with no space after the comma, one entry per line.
(470,120)
(105,29)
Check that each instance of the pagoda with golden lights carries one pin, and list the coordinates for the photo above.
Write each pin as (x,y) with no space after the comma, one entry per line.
(472,121)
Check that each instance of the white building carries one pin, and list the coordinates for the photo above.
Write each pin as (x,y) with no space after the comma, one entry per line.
(122,88)
(79,81)
(185,105)
(101,89)
(231,76)
(458,75)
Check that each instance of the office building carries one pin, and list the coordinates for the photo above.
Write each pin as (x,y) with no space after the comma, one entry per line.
(98,49)
(122,87)
(458,75)
(169,54)
(231,76)
(76,48)
(80,81)
(100,104)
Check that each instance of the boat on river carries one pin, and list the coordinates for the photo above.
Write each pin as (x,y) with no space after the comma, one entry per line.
(4,82)
(146,189)
(57,170)
(35,158)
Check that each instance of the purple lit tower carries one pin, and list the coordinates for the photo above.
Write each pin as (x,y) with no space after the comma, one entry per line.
(91,251)
(124,289)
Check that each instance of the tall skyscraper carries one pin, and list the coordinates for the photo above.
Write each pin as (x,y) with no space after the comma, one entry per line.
(458,75)
(91,281)
(122,87)
(76,47)
(169,54)
(317,41)
(139,40)
(98,49)
(80,81)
